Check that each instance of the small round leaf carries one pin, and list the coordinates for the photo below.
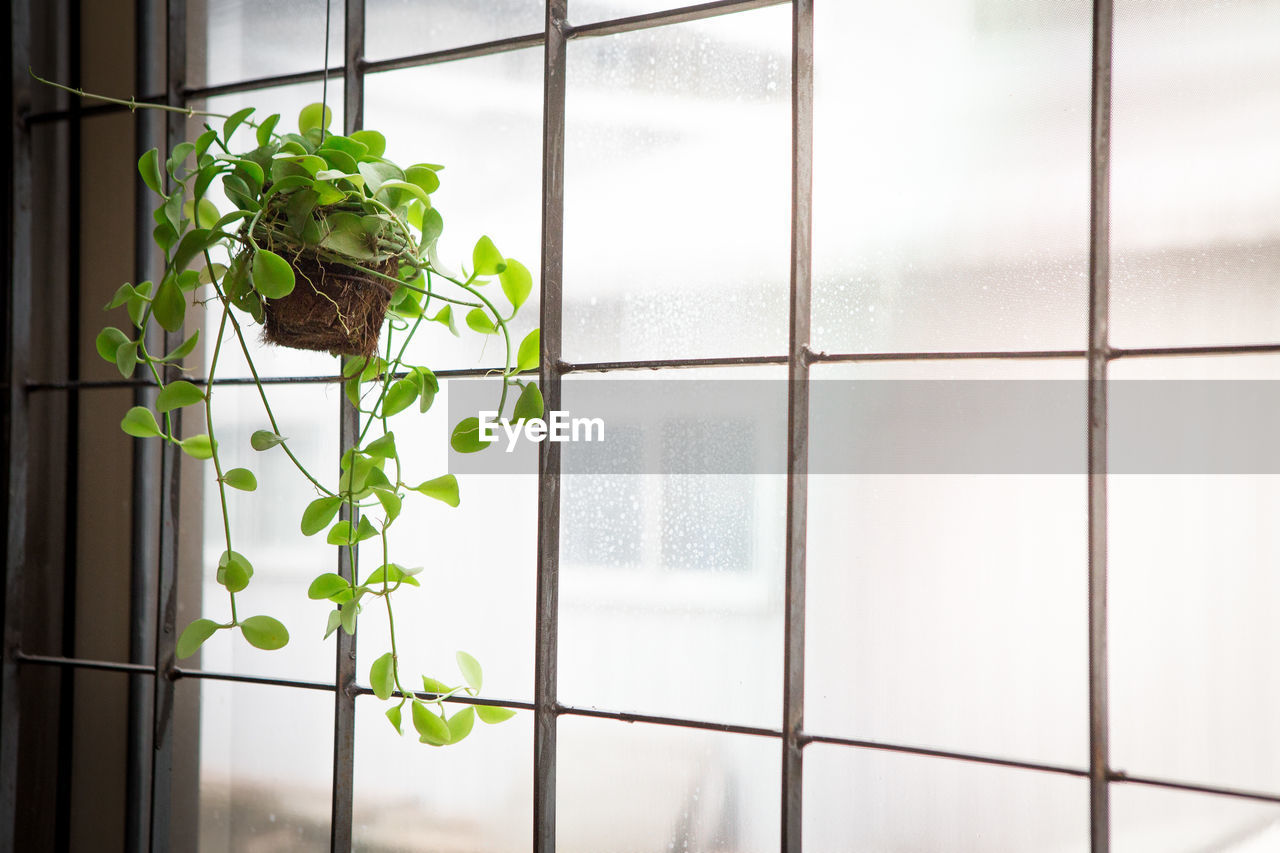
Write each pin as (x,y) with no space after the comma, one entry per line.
(471,672)
(382,677)
(314,115)
(177,394)
(194,635)
(240,478)
(140,423)
(264,632)
(272,275)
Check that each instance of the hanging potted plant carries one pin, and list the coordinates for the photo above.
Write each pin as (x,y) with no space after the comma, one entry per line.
(329,246)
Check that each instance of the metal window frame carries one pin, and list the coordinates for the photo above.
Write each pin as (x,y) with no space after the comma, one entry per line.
(154,587)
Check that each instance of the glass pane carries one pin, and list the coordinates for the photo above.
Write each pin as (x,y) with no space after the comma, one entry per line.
(484,123)
(265,767)
(589,11)
(947,610)
(951,182)
(475,796)
(264,526)
(1152,820)
(270,360)
(407,27)
(1195,232)
(1192,590)
(674,580)
(865,800)
(233,40)
(640,787)
(479,559)
(677,190)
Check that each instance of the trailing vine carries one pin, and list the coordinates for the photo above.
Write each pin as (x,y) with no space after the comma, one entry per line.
(306,204)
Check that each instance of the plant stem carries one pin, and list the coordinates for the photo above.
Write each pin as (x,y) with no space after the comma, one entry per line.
(213,445)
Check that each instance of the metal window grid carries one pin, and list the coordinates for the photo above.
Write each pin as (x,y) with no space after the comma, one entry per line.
(154,539)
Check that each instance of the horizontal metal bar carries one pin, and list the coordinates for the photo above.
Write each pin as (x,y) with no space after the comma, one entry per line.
(460,700)
(972,758)
(252,679)
(1119,776)
(670,363)
(435,57)
(664,18)
(256,83)
(681,722)
(1224,349)
(89,384)
(84,663)
(971,355)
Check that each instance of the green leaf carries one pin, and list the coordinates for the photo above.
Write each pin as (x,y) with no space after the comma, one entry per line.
(178,155)
(466,436)
(392,573)
(432,226)
(390,501)
(399,397)
(237,118)
(234,571)
(140,423)
(424,176)
(149,168)
(383,447)
(471,672)
(409,187)
(264,632)
(374,142)
(486,259)
(530,352)
(272,275)
(339,534)
(393,714)
(108,341)
(318,514)
(350,611)
(177,394)
(169,306)
(327,585)
(127,358)
(493,715)
(122,295)
(203,141)
(137,304)
(266,127)
(240,478)
(517,283)
(194,635)
(479,321)
(183,349)
(365,530)
(314,115)
(445,318)
(382,677)
(193,243)
(204,215)
(461,723)
(443,488)
(197,446)
(265,439)
(335,620)
(431,729)
(207,275)
(439,688)
(530,405)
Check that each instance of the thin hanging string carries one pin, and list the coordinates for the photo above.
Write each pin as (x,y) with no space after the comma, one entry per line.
(324,87)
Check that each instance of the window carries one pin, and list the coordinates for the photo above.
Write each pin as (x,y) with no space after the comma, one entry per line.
(929,661)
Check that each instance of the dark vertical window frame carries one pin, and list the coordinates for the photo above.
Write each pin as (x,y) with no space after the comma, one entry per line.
(344,707)
(797,422)
(17,353)
(546,641)
(1098,354)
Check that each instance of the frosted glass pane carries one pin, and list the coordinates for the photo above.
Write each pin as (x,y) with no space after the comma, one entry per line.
(405,27)
(480,567)
(1195,230)
(864,800)
(588,11)
(1192,590)
(949,611)
(265,767)
(623,788)
(482,119)
(1151,820)
(677,190)
(270,360)
(671,583)
(233,40)
(951,175)
(264,526)
(475,796)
